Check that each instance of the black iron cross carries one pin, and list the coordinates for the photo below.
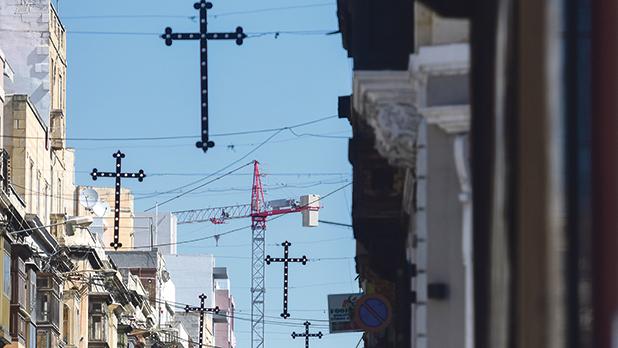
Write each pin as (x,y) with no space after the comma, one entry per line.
(118,174)
(203,6)
(285,261)
(201,309)
(306,335)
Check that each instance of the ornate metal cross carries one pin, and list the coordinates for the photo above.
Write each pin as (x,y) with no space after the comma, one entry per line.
(306,335)
(201,309)
(203,6)
(118,174)
(286,260)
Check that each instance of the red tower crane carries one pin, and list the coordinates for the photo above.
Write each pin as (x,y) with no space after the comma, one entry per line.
(258,210)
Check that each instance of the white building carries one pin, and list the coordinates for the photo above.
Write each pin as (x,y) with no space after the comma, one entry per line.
(38,62)
(157,229)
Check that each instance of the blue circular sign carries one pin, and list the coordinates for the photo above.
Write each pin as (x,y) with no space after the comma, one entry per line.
(373,313)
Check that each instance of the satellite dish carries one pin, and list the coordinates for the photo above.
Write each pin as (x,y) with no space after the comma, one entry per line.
(100,209)
(88,198)
(165,276)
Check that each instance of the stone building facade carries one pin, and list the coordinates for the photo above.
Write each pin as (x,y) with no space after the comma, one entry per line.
(409,112)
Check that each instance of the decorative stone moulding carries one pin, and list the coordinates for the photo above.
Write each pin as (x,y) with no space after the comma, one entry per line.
(395,127)
(384,99)
(434,61)
(452,119)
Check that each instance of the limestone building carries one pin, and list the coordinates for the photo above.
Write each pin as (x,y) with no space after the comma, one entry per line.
(59,288)
(104,225)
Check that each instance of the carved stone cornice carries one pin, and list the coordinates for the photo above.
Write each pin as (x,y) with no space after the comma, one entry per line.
(384,100)
(395,127)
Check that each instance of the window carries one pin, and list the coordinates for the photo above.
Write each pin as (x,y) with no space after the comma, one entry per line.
(38,193)
(97,328)
(32,337)
(48,300)
(59,194)
(53,76)
(31,300)
(51,194)
(66,322)
(97,320)
(30,186)
(46,206)
(7,274)
(60,91)
(18,279)
(43,313)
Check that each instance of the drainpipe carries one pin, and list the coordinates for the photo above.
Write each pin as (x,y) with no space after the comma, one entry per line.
(465,197)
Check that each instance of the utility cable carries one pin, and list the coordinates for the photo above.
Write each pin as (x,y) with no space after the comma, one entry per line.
(276,34)
(287,322)
(222,14)
(171,137)
(199,186)
(220,170)
(217,235)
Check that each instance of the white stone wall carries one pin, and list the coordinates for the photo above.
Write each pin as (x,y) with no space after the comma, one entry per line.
(24,33)
(194,280)
(164,230)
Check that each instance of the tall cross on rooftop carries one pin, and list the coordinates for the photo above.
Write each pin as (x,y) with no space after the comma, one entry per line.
(201,310)
(307,334)
(118,174)
(286,260)
(203,6)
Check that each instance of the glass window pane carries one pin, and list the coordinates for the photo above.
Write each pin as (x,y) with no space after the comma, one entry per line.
(43,304)
(31,337)
(7,274)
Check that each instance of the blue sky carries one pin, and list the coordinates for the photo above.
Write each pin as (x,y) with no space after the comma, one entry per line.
(133,85)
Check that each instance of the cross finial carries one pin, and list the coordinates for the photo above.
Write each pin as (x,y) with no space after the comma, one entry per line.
(203,36)
(307,334)
(201,310)
(286,260)
(202,4)
(118,175)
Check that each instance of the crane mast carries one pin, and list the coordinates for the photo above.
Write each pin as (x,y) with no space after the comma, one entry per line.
(258,210)
(258,252)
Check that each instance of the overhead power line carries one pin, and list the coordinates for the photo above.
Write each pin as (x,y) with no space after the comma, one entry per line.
(219,171)
(222,14)
(218,235)
(256,34)
(200,186)
(250,174)
(175,137)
